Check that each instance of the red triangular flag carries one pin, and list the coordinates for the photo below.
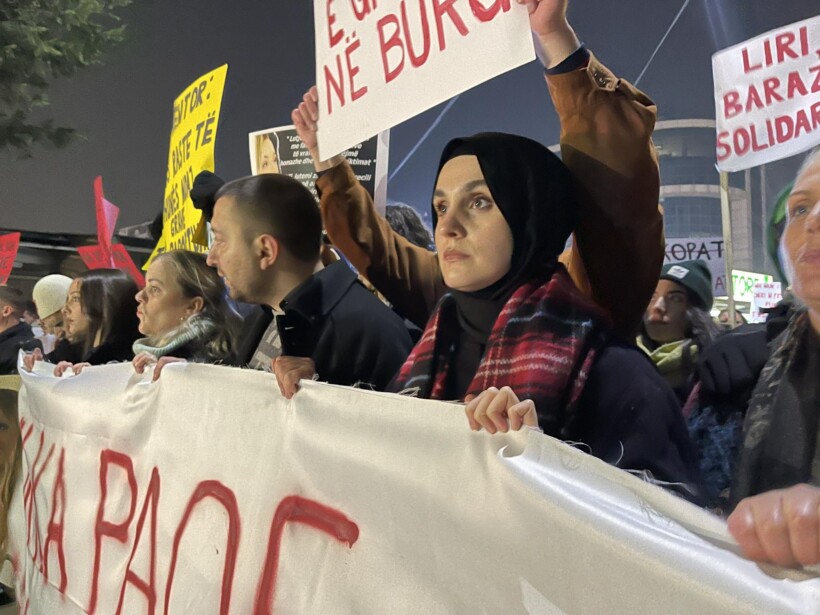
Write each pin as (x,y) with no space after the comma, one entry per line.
(9,244)
(107,214)
(96,257)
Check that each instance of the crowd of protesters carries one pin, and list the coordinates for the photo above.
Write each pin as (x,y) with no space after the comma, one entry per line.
(490,309)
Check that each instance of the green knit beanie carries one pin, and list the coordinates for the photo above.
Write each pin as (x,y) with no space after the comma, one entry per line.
(695,277)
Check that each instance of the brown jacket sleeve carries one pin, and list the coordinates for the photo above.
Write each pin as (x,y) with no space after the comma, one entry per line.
(606,130)
(606,143)
(407,276)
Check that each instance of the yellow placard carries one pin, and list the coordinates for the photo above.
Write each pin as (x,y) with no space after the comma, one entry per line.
(193,137)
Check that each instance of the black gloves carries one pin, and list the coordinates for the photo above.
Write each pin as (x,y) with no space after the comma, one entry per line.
(730,367)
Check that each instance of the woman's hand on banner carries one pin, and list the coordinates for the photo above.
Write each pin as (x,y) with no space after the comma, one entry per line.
(290,370)
(30,358)
(144,359)
(64,366)
(781,526)
(499,410)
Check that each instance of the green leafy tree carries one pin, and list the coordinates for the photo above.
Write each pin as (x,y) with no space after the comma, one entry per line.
(41,40)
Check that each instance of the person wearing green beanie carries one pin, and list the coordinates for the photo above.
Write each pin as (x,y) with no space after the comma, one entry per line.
(677,324)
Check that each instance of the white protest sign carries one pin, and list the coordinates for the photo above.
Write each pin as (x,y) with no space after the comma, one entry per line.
(767,96)
(707,249)
(766,296)
(207,492)
(280,150)
(745,282)
(380,63)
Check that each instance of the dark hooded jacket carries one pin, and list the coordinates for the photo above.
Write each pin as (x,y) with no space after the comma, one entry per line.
(11,341)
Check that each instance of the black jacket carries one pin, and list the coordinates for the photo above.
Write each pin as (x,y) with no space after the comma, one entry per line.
(351,336)
(629,417)
(10,342)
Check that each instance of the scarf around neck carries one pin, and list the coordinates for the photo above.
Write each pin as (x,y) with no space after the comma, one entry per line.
(194,330)
(542,345)
(780,429)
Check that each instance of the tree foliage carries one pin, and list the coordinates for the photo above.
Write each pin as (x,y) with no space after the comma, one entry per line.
(41,40)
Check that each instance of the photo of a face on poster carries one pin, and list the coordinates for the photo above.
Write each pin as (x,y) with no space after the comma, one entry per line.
(280,150)
(266,152)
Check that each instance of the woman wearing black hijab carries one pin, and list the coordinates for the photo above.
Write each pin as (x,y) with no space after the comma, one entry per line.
(513,321)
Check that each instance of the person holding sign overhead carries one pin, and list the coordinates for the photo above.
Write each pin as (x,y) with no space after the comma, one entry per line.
(606,128)
(514,337)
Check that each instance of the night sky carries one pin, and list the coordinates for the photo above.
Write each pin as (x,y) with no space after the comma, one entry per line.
(123,108)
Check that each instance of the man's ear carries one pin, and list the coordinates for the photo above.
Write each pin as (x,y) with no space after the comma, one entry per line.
(268,250)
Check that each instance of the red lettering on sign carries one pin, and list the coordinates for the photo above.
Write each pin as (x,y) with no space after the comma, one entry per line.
(353,70)
(731,106)
(30,499)
(483,13)
(148,588)
(296,509)
(337,82)
(223,495)
(334,37)
(103,527)
(724,150)
(770,87)
(56,529)
(440,8)
(416,59)
(386,44)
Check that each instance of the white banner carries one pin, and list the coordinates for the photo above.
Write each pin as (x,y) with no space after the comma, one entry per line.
(380,63)
(767,96)
(207,492)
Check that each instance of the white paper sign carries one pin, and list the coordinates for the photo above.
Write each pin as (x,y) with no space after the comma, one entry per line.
(707,249)
(379,63)
(767,96)
(766,296)
(207,492)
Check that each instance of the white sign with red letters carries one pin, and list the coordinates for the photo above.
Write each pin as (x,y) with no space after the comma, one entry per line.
(207,492)
(767,96)
(379,63)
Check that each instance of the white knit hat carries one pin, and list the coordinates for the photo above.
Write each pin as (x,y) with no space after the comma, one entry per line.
(50,293)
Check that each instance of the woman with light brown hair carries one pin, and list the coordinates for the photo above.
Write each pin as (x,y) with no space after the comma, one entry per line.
(182,313)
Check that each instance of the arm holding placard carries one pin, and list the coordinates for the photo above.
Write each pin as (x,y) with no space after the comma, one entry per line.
(408,276)
(606,129)
(606,144)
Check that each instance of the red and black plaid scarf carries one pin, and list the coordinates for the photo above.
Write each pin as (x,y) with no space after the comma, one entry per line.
(542,345)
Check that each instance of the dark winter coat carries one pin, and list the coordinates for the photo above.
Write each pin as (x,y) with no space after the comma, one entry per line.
(629,417)
(10,341)
(351,336)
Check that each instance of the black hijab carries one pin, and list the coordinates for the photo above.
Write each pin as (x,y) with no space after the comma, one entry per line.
(534,191)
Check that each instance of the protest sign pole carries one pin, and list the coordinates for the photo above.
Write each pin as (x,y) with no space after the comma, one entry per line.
(726,218)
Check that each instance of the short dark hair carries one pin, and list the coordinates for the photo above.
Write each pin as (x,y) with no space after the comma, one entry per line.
(107,299)
(281,206)
(13,297)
